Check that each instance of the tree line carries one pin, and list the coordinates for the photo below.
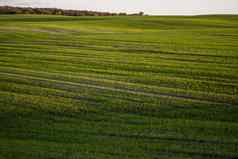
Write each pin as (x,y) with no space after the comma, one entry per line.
(56,11)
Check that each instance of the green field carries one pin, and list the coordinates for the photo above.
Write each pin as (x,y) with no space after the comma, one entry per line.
(118,87)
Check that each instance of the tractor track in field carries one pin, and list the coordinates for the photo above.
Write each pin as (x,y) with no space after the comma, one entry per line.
(129,91)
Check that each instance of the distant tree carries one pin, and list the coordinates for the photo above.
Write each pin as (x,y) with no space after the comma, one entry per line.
(56,11)
(141,13)
(122,14)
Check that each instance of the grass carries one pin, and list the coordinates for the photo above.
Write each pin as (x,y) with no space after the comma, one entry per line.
(118,87)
